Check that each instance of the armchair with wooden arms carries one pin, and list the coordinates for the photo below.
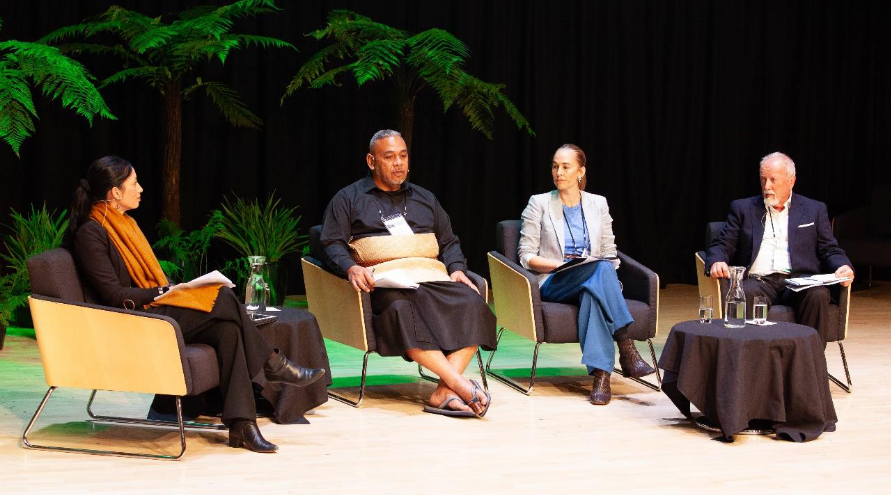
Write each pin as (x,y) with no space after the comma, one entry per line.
(95,347)
(838,307)
(519,307)
(344,315)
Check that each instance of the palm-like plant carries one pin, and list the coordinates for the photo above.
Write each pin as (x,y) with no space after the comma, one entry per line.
(164,52)
(373,51)
(24,65)
(260,230)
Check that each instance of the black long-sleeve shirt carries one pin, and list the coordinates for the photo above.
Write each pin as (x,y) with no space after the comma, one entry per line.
(356,210)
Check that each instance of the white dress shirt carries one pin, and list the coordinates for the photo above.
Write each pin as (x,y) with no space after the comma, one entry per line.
(773,257)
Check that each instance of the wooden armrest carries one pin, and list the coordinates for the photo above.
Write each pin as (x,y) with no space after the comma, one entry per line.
(93,347)
(709,286)
(343,313)
(513,289)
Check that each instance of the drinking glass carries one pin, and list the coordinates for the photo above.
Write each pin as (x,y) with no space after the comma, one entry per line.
(705,309)
(760,311)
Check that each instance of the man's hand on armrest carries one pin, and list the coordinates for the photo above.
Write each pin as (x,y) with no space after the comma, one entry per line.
(361,278)
(719,270)
(458,276)
(845,271)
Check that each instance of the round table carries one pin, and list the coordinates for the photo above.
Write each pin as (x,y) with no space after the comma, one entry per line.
(734,376)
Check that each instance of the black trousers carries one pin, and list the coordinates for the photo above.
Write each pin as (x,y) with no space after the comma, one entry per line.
(811,305)
(241,350)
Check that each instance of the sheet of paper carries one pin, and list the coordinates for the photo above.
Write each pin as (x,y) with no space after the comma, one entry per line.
(394,279)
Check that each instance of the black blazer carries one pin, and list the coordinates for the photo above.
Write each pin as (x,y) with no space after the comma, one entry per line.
(812,247)
(103,271)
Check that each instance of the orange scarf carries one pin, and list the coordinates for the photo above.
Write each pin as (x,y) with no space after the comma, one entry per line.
(142,265)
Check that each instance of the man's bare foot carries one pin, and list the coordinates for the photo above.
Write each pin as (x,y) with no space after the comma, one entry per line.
(464,392)
(442,393)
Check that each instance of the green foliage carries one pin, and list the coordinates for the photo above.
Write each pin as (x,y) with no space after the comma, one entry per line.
(372,51)
(163,51)
(24,66)
(186,253)
(35,233)
(264,230)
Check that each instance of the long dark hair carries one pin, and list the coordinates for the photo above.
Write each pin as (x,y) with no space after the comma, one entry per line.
(103,175)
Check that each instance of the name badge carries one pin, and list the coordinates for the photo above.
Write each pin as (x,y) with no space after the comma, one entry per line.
(397,225)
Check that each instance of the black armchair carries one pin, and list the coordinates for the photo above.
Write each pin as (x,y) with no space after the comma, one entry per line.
(519,307)
(94,347)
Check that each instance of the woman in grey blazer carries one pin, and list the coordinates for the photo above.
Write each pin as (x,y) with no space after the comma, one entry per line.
(566,224)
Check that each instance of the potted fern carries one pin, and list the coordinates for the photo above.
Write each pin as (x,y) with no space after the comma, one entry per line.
(35,233)
(255,229)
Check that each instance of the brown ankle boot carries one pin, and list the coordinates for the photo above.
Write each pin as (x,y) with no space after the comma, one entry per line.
(600,394)
(633,366)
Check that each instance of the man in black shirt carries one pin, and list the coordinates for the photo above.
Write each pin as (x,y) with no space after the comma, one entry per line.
(439,325)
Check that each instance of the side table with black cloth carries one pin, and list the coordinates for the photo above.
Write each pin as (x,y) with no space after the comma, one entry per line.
(735,375)
(296,334)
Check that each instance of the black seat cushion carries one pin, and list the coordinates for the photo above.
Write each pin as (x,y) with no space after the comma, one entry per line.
(203,367)
(561,321)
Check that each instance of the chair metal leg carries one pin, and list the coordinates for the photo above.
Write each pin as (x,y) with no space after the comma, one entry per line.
(509,381)
(179,417)
(479,358)
(344,399)
(655,386)
(849,387)
(189,425)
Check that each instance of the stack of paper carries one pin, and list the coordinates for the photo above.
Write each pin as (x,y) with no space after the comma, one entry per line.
(801,283)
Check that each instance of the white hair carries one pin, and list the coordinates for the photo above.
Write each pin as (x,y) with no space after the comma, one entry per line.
(790,165)
(382,134)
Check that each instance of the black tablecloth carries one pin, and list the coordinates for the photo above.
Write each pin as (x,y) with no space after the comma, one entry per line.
(735,375)
(296,333)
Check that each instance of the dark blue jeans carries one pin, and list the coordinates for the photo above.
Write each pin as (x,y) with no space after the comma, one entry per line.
(602,309)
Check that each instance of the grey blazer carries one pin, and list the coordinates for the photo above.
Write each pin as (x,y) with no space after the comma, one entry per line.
(543,231)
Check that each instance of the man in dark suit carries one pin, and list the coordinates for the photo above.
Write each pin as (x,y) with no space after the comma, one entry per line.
(776,236)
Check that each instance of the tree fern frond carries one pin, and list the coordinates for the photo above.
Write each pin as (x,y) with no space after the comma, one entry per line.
(376,60)
(207,26)
(314,67)
(233,109)
(247,8)
(97,49)
(329,77)
(153,39)
(60,77)
(205,49)
(17,112)
(246,40)
(154,76)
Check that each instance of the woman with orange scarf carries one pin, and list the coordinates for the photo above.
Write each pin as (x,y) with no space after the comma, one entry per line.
(119,269)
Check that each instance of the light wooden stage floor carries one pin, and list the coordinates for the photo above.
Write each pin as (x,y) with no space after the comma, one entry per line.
(551,442)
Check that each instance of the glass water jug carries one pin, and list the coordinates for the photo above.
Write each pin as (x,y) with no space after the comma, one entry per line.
(735,302)
(256,292)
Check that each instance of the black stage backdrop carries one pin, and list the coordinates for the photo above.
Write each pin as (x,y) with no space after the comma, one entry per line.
(673,101)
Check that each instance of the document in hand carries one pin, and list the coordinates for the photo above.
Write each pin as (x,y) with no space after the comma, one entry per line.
(212,278)
(801,283)
(394,279)
(579,262)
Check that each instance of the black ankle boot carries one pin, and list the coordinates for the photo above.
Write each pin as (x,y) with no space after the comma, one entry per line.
(633,366)
(600,394)
(245,433)
(280,369)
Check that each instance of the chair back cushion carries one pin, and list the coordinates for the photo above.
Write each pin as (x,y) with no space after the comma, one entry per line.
(53,274)
(507,238)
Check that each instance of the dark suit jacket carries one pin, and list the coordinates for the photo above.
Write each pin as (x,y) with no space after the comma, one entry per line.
(812,247)
(102,269)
